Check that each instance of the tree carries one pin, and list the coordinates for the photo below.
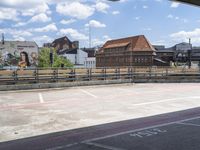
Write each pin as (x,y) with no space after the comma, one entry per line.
(44,59)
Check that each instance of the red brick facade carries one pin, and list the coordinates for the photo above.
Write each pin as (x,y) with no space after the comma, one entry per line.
(131,51)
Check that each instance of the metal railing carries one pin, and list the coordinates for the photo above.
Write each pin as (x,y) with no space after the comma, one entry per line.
(46,75)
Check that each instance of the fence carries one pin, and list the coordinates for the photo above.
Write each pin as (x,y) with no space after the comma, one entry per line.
(49,75)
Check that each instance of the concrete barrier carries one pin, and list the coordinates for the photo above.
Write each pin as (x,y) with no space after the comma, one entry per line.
(98,82)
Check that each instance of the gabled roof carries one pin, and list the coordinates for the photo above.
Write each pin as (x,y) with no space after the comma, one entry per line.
(65,38)
(117,45)
(134,43)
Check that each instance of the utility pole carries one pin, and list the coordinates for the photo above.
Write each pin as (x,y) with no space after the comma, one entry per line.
(90,35)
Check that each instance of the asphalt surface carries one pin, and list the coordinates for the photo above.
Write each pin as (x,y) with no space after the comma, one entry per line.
(172,131)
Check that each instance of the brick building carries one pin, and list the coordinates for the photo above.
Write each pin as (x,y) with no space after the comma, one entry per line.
(130,51)
(63,44)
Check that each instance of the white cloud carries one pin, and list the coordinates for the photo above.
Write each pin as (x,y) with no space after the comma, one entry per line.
(40,40)
(97,41)
(68,21)
(95,24)
(37,18)
(170,16)
(137,18)
(40,18)
(106,37)
(19,35)
(8,14)
(115,12)
(174,4)
(20,3)
(185,35)
(19,24)
(16,32)
(184,20)
(123,1)
(159,42)
(18,38)
(102,7)
(147,29)
(145,7)
(38,9)
(48,28)
(75,9)
(73,33)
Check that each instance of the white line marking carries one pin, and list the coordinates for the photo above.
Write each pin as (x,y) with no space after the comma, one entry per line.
(188,124)
(88,93)
(62,147)
(121,133)
(166,100)
(41,98)
(131,131)
(103,146)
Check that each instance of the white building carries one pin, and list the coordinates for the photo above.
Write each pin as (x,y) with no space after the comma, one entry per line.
(90,62)
(76,56)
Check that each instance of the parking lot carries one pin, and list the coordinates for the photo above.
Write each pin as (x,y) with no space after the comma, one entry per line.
(26,114)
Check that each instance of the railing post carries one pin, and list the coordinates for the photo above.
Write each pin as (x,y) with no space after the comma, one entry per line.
(116,73)
(54,75)
(15,78)
(129,73)
(119,72)
(74,74)
(166,73)
(150,71)
(35,74)
(90,73)
(105,74)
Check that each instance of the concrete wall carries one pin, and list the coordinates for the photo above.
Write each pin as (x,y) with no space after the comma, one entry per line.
(98,82)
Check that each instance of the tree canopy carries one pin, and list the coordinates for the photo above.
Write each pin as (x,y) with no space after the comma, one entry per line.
(44,59)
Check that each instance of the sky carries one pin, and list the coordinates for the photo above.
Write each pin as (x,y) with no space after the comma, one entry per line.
(163,22)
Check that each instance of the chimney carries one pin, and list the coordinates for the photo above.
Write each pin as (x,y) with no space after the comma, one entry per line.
(76,44)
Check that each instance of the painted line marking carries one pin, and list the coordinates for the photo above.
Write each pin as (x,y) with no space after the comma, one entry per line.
(103,146)
(166,100)
(90,141)
(41,98)
(63,146)
(131,131)
(88,93)
(188,124)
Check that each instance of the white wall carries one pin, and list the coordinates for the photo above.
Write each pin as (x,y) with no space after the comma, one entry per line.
(81,56)
(90,62)
(78,58)
(70,57)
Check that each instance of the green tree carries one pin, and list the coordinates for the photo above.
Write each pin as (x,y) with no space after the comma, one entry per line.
(44,59)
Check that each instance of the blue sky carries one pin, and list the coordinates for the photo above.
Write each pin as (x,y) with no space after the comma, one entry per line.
(161,21)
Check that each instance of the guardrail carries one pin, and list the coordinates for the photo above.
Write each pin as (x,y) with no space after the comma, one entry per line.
(49,75)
